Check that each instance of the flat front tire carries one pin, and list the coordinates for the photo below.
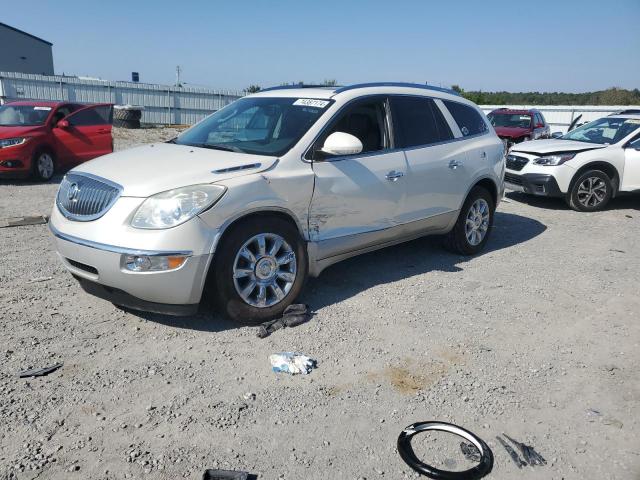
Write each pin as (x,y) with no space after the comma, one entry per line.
(471,231)
(260,268)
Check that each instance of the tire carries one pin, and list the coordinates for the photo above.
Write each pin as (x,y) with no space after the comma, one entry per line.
(265,270)
(479,207)
(590,192)
(129,124)
(122,114)
(43,165)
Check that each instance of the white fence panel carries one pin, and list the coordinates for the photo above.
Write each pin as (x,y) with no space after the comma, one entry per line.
(163,104)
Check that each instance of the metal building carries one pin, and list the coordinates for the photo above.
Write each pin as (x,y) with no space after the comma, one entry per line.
(25,53)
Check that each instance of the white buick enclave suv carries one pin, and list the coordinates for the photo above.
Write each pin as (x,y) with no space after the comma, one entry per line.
(587,167)
(274,187)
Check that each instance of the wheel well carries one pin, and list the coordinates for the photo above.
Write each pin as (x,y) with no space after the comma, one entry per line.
(245,218)
(491,187)
(609,169)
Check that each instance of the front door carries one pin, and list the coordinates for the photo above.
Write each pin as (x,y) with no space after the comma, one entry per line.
(631,175)
(357,198)
(85,134)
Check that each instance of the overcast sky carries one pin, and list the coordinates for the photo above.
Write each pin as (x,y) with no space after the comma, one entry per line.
(541,45)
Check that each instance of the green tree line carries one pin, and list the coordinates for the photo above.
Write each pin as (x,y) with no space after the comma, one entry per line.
(610,96)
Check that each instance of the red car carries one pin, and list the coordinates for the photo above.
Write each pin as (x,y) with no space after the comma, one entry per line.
(515,126)
(37,138)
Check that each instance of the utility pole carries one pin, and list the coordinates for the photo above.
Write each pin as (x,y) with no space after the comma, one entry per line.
(178,72)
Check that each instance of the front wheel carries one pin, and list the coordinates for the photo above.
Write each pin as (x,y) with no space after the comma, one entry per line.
(43,165)
(590,192)
(471,231)
(260,269)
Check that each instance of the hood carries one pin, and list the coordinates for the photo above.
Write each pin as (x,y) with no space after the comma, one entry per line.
(552,146)
(155,168)
(512,132)
(11,132)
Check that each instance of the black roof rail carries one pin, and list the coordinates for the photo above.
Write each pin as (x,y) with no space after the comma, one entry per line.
(395,84)
(630,111)
(303,85)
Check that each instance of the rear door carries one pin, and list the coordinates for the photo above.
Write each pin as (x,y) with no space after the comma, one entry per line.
(87,136)
(435,164)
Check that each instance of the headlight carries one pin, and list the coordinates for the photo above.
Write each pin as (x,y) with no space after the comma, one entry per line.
(168,209)
(12,142)
(554,160)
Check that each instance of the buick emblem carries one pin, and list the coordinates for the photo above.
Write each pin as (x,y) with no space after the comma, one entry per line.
(72,194)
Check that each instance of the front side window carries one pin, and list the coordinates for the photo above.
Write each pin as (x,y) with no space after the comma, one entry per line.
(635,143)
(365,120)
(468,119)
(23,115)
(604,131)
(100,115)
(513,120)
(418,121)
(256,125)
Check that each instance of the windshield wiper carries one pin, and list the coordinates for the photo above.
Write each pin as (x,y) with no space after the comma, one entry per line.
(217,146)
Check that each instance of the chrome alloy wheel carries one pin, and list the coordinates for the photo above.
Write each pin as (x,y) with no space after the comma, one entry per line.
(591,192)
(264,270)
(45,165)
(477,223)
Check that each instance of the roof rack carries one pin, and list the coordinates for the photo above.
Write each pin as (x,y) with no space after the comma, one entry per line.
(630,111)
(396,84)
(303,85)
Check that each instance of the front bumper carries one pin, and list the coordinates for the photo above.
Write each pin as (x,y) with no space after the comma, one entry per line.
(533,183)
(95,252)
(16,161)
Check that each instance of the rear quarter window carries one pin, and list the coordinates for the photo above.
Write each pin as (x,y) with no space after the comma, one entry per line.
(468,119)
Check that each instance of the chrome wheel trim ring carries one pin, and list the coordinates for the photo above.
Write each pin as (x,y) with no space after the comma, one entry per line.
(264,270)
(591,192)
(45,165)
(476,224)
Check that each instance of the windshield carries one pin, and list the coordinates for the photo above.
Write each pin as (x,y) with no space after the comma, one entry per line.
(604,130)
(256,125)
(23,115)
(510,120)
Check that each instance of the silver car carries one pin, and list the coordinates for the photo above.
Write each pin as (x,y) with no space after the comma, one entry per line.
(274,187)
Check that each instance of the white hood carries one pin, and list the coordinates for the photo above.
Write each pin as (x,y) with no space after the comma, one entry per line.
(158,167)
(553,145)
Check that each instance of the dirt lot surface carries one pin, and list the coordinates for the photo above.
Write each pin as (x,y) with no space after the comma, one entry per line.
(538,338)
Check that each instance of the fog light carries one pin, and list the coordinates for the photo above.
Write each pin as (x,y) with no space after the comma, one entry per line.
(144,263)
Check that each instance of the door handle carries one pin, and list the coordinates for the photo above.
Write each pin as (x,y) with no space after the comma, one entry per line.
(393,176)
(453,164)
(483,155)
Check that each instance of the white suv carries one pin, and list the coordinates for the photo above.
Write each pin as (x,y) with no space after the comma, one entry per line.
(276,186)
(587,166)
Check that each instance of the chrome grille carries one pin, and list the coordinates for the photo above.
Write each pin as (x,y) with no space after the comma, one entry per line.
(84,197)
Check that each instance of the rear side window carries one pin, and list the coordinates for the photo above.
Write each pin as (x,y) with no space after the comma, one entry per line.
(91,116)
(467,118)
(418,121)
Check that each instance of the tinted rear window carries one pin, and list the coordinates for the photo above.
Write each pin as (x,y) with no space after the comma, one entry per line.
(467,118)
(100,115)
(418,121)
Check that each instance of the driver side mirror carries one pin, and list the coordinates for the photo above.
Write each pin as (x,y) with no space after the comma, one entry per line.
(62,124)
(340,143)
(556,134)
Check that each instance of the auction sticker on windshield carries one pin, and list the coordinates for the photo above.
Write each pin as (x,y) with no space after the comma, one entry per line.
(311,102)
(46,109)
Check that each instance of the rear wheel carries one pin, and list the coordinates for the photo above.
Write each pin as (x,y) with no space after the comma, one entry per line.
(43,165)
(260,269)
(590,192)
(471,231)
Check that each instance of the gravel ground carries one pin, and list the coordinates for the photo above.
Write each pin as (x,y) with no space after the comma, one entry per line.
(538,337)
